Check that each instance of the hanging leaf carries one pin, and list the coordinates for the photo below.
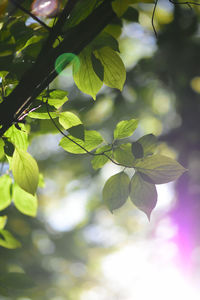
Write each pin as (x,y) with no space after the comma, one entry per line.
(17,137)
(85,78)
(159,169)
(116,190)
(100,160)
(143,194)
(98,67)
(149,144)
(68,119)
(1,148)
(104,39)
(3,220)
(91,141)
(125,129)
(5,191)
(25,171)
(137,150)
(120,6)
(124,155)
(26,203)
(7,240)
(114,70)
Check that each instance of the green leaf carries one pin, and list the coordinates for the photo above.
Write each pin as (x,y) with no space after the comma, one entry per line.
(116,190)
(56,98)
(124,155)
(5,191)
(1,148)
(159,169)
(125,129)
(131,15)
(114,70)
(120,6)
(100,160)
(9,148)
(3,220)
(98,67)
(137,150)
(17,137)
(16,281)
(85,78)
(25,171)
(143,194)
(104,39)
(68,119)
(149,144)
(77,131)
(24,202)
(7,240)
(91,141)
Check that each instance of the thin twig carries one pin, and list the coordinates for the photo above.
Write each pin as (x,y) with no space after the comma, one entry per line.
(18,5)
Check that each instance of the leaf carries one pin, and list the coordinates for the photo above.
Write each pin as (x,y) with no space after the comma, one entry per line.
(149,144)
(120,6)
(77,131)
(114,70)
(98,67)
(25,171)
(68,119)
(5,193)
(41,113)
(125,129)
(24,202)
(9,148)
(85,78)
(16,281)
(159,169)
(104,39)
(8,240)
(143,194)
(3,220)
(1,148)
(100,160)
(17,137)
(116,190)
(137,150)
(131,15)
(56,98)
(124,155)
(92,140)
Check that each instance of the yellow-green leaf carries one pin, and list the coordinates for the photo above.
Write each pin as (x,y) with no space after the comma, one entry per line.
(125,129)
(8,240)
(116,190)
(85,78)
(143,194)
(26,203)
(1,148)
(68,119)
(25,171)
(120,6)
(18,137)
(114,69)
(99,161)
(91,141)
(159,169)
(3,220)
(5,193)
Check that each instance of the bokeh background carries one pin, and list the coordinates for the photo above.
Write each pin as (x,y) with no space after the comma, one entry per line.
(76,249)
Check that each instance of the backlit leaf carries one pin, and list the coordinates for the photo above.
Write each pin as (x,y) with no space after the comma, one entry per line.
(68,119)
(159,169)
(120,6)
(3,220)
(143,194)
(85,78)
(125,129)
(5,193)
(91,141)
(114,70)
(116,190)
(124,155)
(100,160)
(149,144)
(26,203)
(25,171)
(18,137)
(7,240)
(1,148)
